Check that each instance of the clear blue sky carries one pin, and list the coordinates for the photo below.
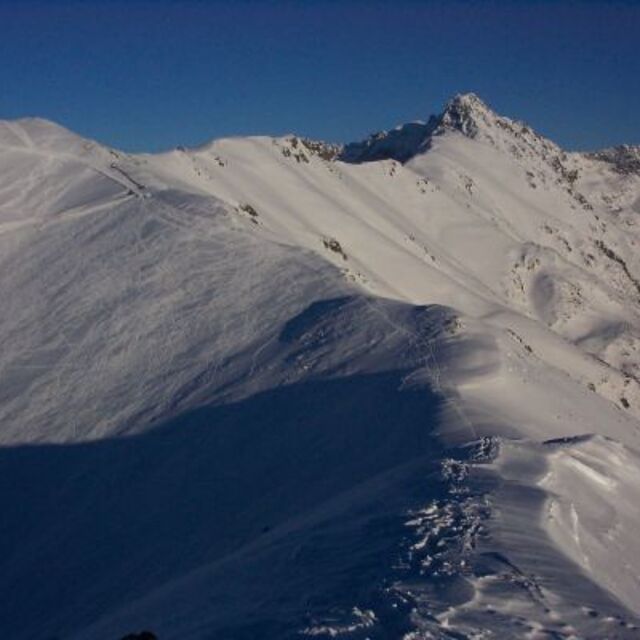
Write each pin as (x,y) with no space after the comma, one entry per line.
(152,75)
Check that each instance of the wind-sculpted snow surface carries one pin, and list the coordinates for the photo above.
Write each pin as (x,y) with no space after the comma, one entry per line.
(276,388)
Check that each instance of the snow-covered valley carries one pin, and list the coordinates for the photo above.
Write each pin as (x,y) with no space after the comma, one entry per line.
(277,388)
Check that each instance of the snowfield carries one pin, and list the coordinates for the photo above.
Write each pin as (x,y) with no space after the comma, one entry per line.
(276,388)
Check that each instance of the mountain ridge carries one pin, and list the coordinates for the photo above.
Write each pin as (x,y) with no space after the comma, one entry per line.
(170,318)
(464,112)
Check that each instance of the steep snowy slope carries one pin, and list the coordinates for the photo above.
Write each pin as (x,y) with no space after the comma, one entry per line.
(274,387)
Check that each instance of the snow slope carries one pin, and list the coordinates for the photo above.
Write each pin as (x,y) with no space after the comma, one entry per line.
(279,388)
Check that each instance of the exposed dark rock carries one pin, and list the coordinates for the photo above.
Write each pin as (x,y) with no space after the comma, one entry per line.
(624,159)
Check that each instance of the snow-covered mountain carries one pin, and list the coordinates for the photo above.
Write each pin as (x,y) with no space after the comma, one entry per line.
(277,388)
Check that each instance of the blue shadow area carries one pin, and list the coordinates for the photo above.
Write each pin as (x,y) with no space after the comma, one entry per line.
(87,528)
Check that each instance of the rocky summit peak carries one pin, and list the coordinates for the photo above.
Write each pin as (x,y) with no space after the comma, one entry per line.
(466,113)
(467,101)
